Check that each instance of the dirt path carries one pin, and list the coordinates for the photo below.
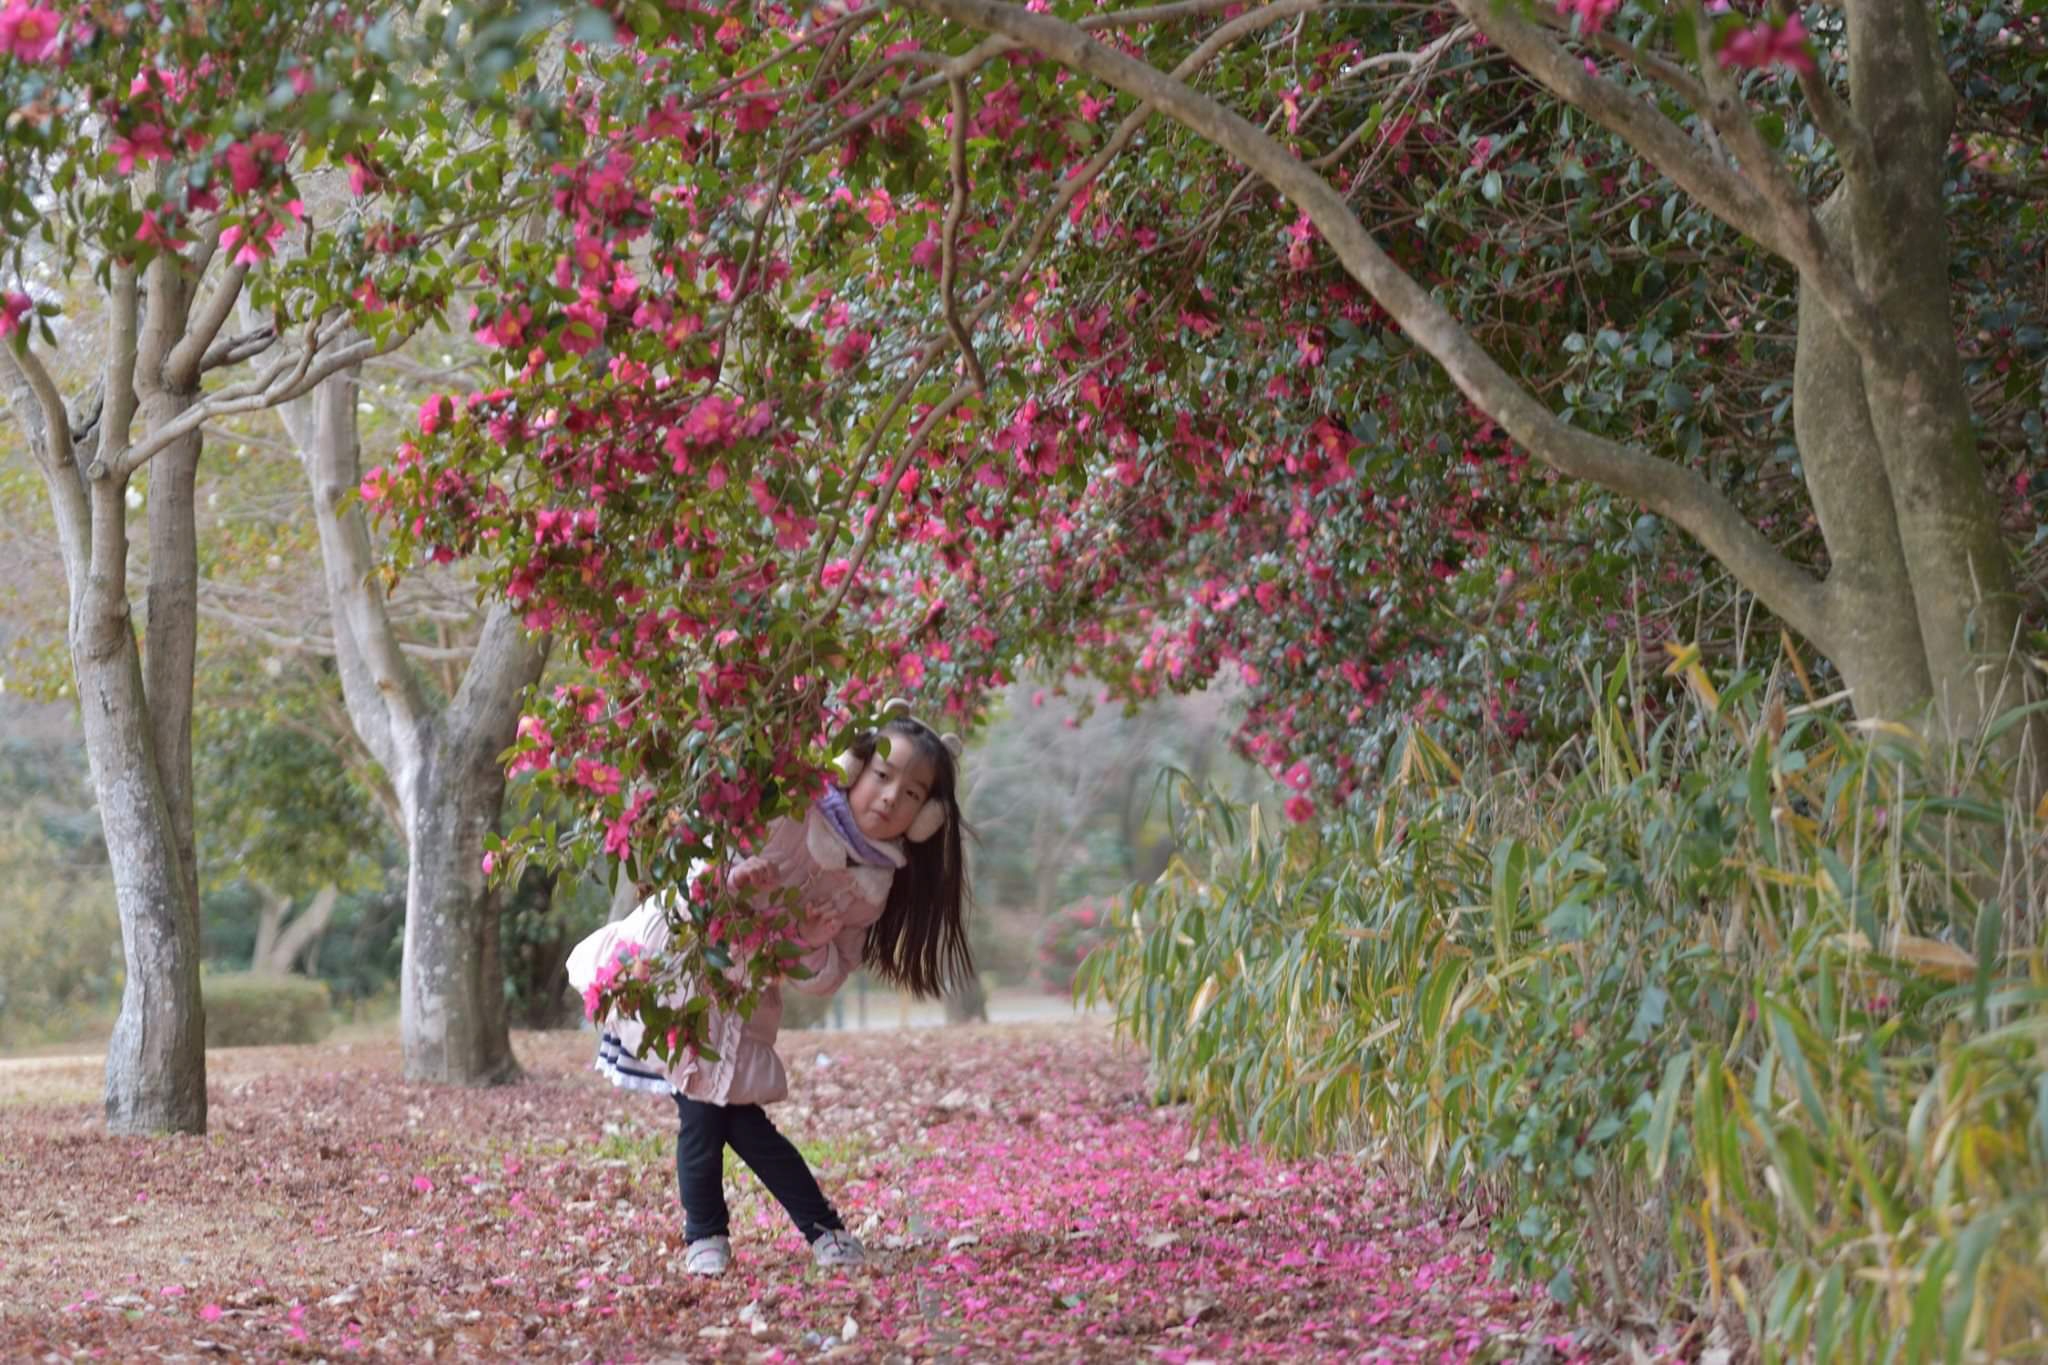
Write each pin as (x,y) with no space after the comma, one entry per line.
(1020,1200)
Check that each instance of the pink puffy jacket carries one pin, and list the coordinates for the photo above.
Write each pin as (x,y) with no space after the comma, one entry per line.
(842,898)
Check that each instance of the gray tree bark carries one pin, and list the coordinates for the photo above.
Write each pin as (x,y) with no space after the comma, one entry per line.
(1877,646)
(163,335)
(156,1058)
(280,942)
(967,1002)
(442,765)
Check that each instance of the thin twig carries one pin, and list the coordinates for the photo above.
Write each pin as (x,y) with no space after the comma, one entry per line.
(949,249)
(879,511)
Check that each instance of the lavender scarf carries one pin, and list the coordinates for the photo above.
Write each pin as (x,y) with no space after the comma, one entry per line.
(833,803)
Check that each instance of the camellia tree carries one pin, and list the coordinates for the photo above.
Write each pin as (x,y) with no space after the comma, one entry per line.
(162,153)
(871,347)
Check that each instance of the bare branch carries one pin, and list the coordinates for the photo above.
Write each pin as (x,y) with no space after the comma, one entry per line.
(188,357)
(949,248)
(166,306)
(117,386)
(385,705)
(1840,126)
(880,510)
(291,377)
(39,408)
(486,706)
(280,636)
(204,249)
(236,349)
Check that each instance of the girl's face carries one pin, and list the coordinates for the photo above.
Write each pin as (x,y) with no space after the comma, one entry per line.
(886,796)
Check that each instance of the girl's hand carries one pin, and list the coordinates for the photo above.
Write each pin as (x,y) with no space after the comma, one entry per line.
(749,873)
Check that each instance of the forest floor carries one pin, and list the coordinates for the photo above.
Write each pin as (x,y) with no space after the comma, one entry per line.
(1019,1198)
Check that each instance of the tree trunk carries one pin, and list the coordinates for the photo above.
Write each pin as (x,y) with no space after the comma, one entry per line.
(156,1057)
(1876,642)
(625,900)
(269,920)
(278,945)
(1963,590)
(967,1002)
(453,1022)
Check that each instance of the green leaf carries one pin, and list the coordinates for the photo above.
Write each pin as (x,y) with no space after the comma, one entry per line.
(1510,865)
(1664,1113)
(1784,1031)
(1760,804)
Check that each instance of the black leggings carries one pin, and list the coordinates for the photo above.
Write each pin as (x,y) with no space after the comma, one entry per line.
(703,1133)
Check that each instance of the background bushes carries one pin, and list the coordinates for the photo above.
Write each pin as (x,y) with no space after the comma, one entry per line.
(1730,1012)
(250,1009)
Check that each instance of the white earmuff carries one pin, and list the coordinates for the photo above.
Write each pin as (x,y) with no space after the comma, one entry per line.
(931,816)
(850,766)
(930,819)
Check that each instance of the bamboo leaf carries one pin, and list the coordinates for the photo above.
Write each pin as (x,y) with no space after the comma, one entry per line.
(1657,1137)
(1931,957)
(1785,1033)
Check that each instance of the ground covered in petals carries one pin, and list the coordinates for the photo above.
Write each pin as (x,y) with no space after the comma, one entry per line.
(1019,1197)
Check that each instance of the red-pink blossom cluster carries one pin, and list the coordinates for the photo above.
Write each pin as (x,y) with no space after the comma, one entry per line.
(31,33)
(1764,45)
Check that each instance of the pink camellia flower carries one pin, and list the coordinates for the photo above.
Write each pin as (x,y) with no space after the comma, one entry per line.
(250,243)
(584,328)
(13,308)
(1298,776)
(601,778)
(711,421)
(361,179)
(848,353)
(29,32)
(249,162)
(432,413)
(1300,809)
(138,146)
(155,232)
(1592,13)
(1762,45)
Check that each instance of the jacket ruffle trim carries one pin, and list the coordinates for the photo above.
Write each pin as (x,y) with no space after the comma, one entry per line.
(619,1066)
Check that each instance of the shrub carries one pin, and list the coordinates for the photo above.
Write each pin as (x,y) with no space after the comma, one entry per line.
(250,1009)
(60,938)
(1066,939)
(1738,1012)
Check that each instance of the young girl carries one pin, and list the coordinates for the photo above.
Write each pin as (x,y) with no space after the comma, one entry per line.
(877,869)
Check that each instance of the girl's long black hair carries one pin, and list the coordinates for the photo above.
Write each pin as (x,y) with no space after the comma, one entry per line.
(920,942)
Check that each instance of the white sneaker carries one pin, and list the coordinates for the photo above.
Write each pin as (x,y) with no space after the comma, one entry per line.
(837,1248)
(708,1256)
